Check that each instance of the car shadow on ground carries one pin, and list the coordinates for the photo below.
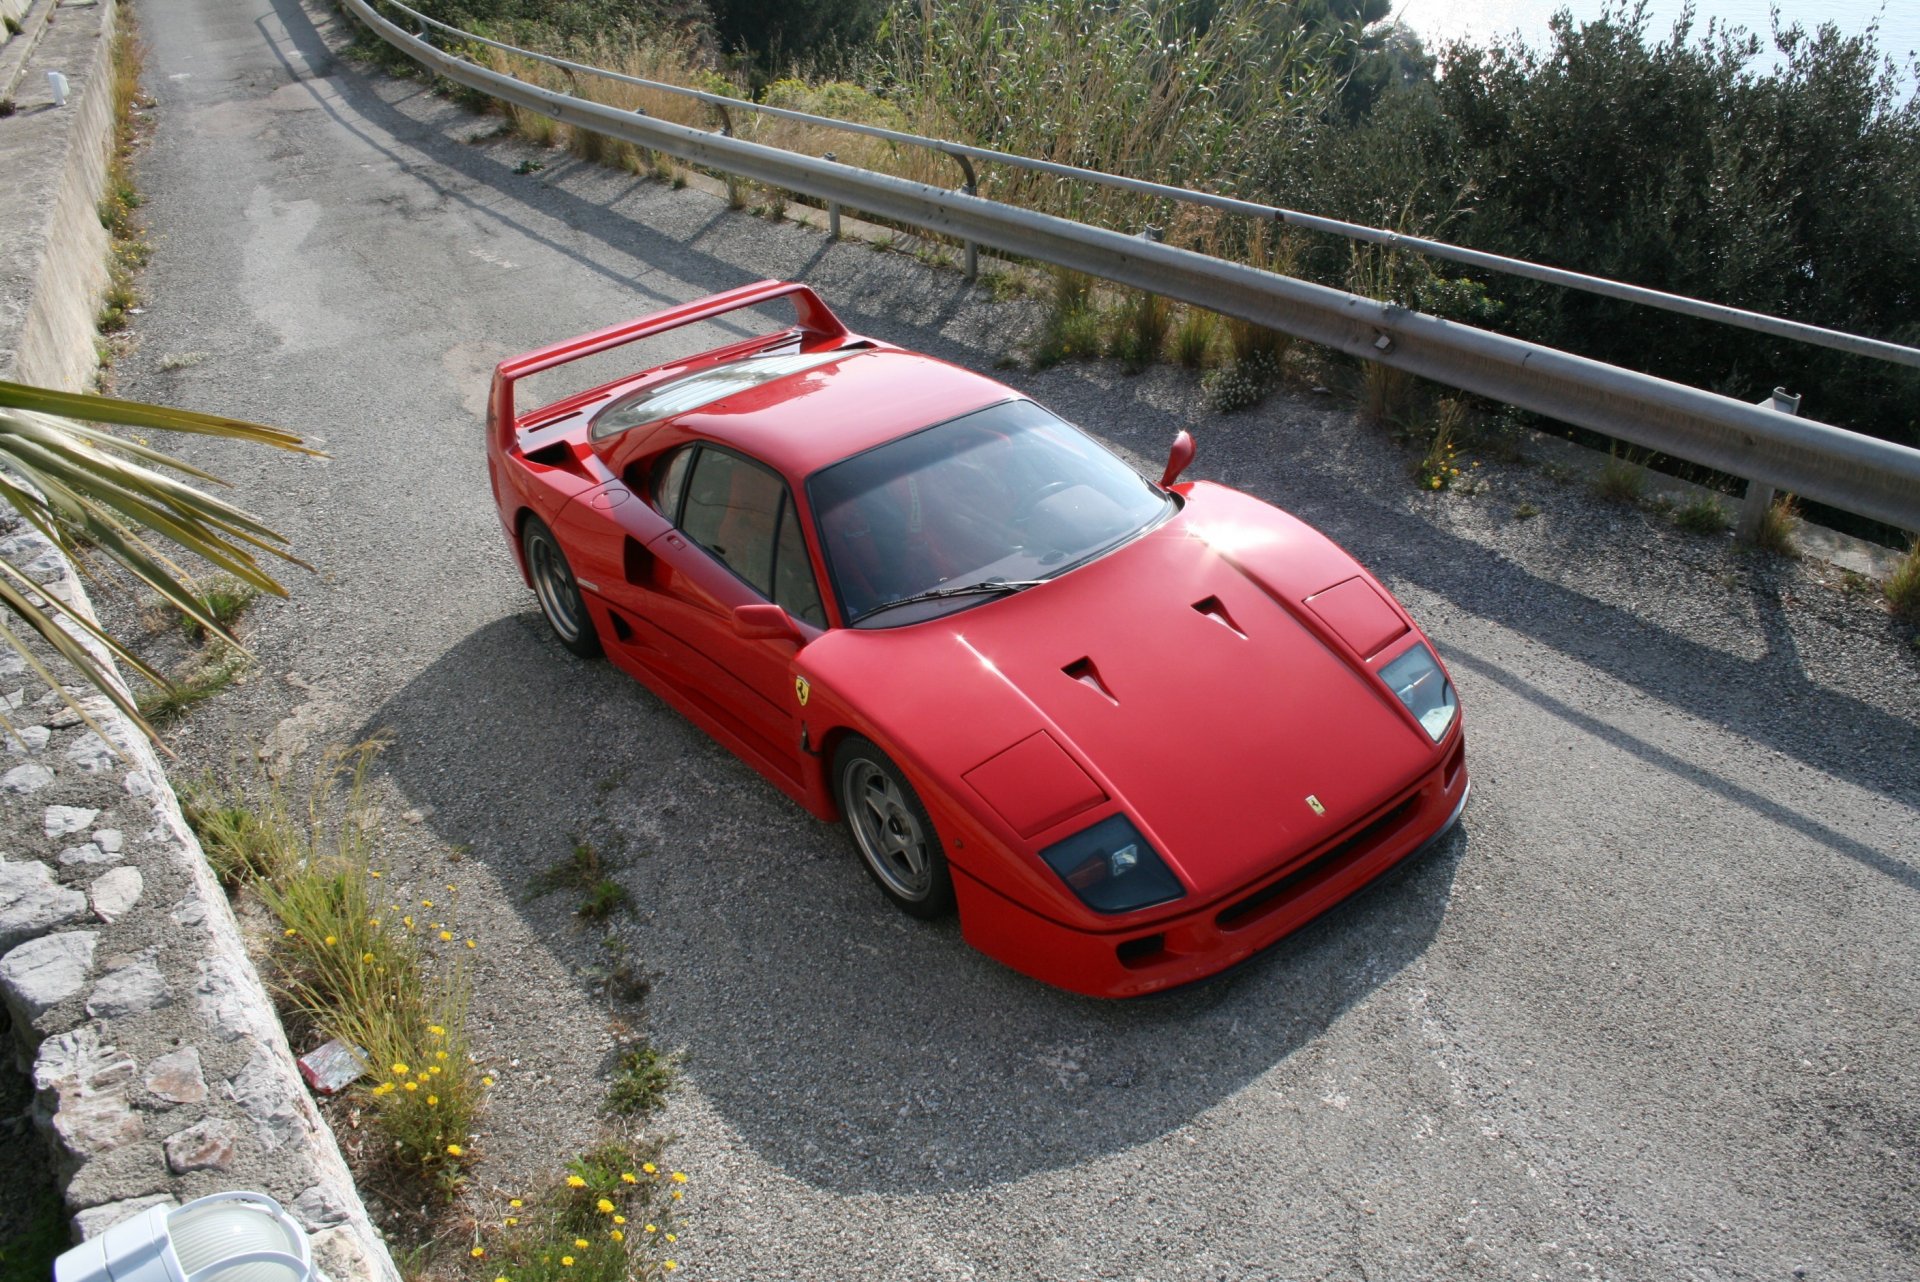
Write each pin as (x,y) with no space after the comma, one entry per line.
(852,1047)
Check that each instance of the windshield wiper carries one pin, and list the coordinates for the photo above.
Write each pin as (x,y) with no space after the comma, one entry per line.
(961,589)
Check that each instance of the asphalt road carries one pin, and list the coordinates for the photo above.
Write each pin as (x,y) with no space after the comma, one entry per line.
(1654,1012)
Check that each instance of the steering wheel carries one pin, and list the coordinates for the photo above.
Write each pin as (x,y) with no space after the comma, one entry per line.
(1034,500)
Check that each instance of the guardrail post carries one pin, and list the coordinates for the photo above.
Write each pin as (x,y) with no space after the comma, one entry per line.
(1759,498)
(833,206)
(970,187)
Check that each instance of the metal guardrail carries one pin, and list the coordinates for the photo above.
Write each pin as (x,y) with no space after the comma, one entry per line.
(964,154)
(1847,470)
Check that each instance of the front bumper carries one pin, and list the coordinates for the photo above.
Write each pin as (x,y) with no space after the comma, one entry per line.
(1211,937)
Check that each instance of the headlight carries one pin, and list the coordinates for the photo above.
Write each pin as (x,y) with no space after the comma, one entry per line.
(1416,677)
(1112,868)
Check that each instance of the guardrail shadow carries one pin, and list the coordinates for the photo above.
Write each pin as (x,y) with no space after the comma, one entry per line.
(852,1047)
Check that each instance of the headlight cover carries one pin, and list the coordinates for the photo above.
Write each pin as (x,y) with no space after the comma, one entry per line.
(1112,869)
(1416,677)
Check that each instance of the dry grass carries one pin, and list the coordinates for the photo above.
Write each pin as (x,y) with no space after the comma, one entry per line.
(1778,526)
(1902,588)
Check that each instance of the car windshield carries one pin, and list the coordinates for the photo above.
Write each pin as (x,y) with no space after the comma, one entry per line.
(962,511)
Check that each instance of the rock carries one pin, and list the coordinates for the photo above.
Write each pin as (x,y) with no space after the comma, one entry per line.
(267,1093)
(78,1063)
(110,840)
(31,777)
(42,973)
(115,892)
(128,991)
(32,902)
(62,820)
(209,1146)
(87,854)
(319,1207)
(224,1001)
(89,1125)
(176,1077)
(25,740)
(190,911)
(92,754)
(95,1220)
(139,784)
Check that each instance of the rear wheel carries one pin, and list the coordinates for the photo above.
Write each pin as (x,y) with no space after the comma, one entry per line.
(897,840)
(559,595)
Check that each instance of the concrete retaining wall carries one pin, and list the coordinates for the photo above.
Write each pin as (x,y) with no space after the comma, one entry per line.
(160,1067)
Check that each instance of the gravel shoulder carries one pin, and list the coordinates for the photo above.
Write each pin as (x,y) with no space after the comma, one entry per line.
(1653,1012)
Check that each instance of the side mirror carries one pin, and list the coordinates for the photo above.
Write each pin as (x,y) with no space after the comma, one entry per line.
(1177,459)
(764,622)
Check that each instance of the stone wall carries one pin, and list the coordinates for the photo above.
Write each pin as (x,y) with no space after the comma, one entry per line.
(160,1067)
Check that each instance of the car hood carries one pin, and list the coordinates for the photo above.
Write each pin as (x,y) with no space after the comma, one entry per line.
(1182,672)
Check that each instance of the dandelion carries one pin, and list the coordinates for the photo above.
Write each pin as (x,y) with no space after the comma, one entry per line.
(439,1054)
(581,1243)
(445,935)
(617,1236)
(434,1069)
(433,1101)
(408,921)
(367,958)
(511,1220)
(426,903)
(471,944)
(478,1252)
(413,1086)
(670,1265)
(456,1150)
(515,1202)
(436,1030)
(676,1195)
(649,1167)
(332,940)
(575,1182)
(650,1228)
(619,1219)
(566,1261)
(384,1088)
(679,1177)
(606,1207)
(373,872)
(672,1238)
(399,1070)
(627,1177)
(291,932)
(449,888)
(486,1081)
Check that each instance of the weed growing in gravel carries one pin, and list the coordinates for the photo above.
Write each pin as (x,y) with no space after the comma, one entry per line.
(1195,343)
(207,679)
(1525,511)
(641,1081)
(226,599)
(1620,481)
(1439,467)
(604,898)
(1903,586)
(1138,333)
(1778,525)
(384,977)
(1703,514)
(613,1218)
(1241,385)
(1071,328)
(578,871)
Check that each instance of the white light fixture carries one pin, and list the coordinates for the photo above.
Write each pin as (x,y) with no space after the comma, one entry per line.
(228,1237)
(58,84)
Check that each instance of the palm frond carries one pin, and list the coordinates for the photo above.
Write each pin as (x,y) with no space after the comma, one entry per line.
(108,409)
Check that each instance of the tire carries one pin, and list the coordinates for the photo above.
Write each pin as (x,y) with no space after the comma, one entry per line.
(891,830)
(559,596)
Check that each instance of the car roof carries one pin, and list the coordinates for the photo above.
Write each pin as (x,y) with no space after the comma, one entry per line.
(806,420)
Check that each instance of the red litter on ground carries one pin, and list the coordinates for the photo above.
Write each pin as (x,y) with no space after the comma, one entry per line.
(333,1067)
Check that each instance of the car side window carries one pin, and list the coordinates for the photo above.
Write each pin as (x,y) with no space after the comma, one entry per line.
(794,589)
(669,479)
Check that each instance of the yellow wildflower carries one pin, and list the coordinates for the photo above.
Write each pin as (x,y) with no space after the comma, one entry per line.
(679,1177)
(648,1167)
(413,1086)
(617,1236)
(619,1219)
(456,1150)
(575,1182)
(669,1265)
(628,1177)
(672,1238)
(471,944)
(367,957)
(445,935)
(291,932)
(606,1207)
(436,1030)
(649,1228)
(332,940)
(384,1088)
(426,903)
(477,1252)
(439,1054)
(515,1202)
(512,1220)
(676,1195)
(581,1243)
(566,1261)
(433,1101)
(486,1081)
(408,921)
(399,1070)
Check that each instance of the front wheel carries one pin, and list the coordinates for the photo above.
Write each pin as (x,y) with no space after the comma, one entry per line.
(559,595)
(890,826)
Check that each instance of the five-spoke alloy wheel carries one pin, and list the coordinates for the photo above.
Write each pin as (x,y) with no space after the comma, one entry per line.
(559,595)
(892,830)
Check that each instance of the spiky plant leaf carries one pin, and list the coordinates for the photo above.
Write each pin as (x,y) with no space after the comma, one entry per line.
(67,478)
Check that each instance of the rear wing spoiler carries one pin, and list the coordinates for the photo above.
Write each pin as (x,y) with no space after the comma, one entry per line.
(816,322)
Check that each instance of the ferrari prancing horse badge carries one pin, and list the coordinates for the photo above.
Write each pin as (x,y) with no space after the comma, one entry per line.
(801,690)
(1312,800)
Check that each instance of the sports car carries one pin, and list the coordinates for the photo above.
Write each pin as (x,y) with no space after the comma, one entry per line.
(1132,732)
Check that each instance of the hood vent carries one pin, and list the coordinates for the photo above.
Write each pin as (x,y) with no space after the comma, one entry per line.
(1213,609)
(1083,671)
